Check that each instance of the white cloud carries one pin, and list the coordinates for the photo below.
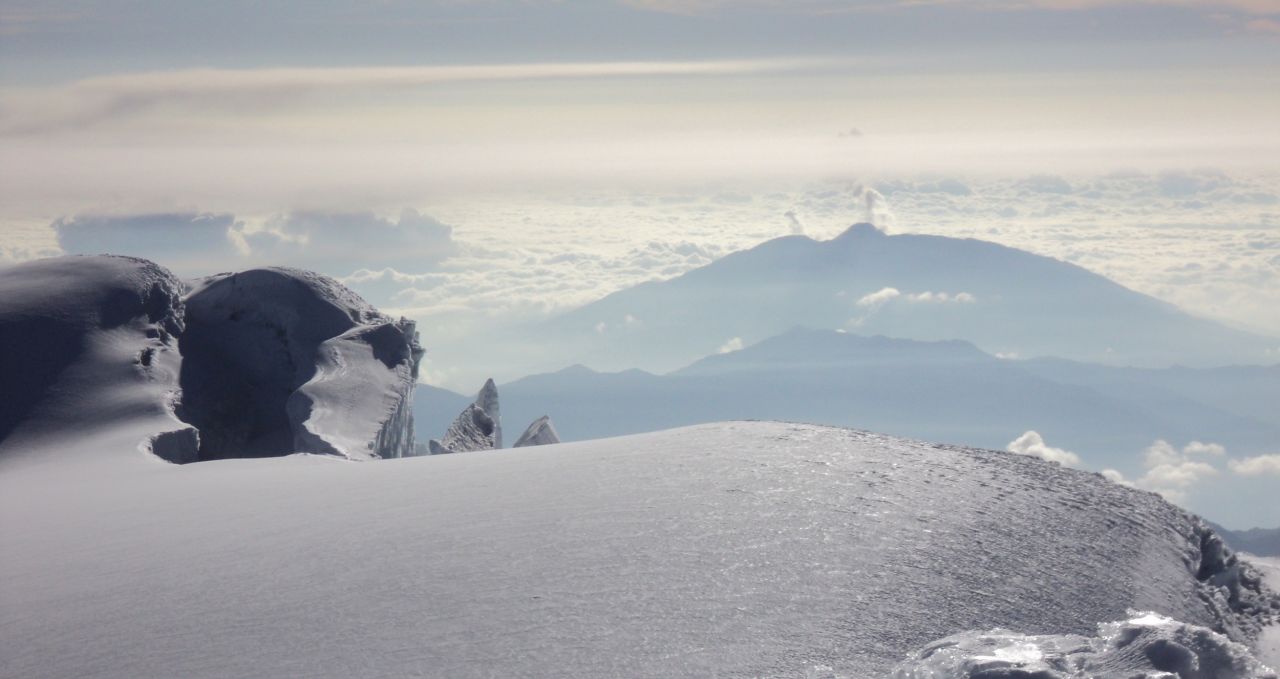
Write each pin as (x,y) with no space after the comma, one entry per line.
(1032,443)
(879,298)
(1198,448)
(734,344)
(1261,465)
(1116,477)
(928,297)
(1172,472)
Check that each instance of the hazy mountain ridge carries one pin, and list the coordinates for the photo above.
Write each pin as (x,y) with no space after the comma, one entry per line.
(939,288)
(932,390)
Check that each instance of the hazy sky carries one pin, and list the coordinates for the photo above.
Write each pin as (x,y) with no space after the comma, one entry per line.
(648,136)
(262,106)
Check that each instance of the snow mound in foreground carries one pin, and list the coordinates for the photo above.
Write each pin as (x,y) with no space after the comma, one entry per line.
(1146,646)
(731,550)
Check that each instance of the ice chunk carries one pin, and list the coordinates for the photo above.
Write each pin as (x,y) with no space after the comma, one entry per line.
(540,433)
(478,427)
(487,399)
(1146,646)
(473,430)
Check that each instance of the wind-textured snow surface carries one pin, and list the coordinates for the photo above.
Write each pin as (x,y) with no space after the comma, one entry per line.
(736,549)
(1146,646)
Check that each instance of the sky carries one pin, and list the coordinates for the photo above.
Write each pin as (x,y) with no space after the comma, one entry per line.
(559,150)
(475,163)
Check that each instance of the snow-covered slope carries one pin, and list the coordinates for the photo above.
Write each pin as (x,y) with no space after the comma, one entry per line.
(738,549)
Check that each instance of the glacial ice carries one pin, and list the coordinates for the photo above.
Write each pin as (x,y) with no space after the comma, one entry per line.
(260,363)
(487,399)
(477,427)
(87,344)
(540,433)
(1144,646)
(277,361)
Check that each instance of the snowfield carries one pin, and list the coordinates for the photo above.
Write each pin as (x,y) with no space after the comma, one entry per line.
(731,549)
(737,549)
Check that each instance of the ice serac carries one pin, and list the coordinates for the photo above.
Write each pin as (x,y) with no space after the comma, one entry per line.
(473,430)
(88,344)
(487,399)
(478,427)
(278,360)
(540,433)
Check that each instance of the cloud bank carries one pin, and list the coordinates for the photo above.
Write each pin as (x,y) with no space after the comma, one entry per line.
(204,243)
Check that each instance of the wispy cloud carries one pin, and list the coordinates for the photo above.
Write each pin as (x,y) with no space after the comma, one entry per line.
(1171,472)
(96,100)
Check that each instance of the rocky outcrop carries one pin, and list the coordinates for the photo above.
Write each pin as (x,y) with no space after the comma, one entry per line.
(540,433)
(478,427)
